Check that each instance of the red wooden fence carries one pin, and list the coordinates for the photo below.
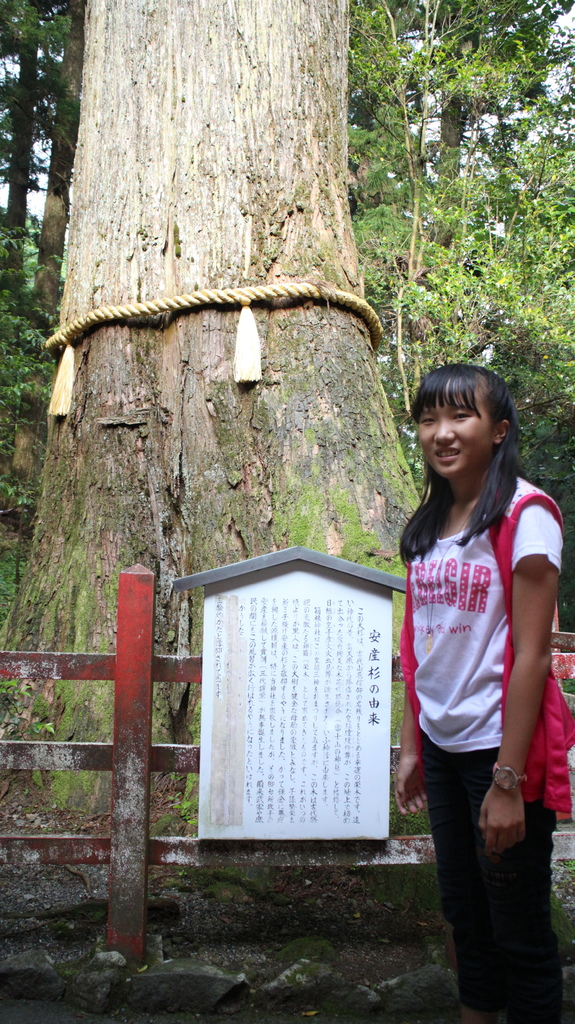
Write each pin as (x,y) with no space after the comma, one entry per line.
(132,758)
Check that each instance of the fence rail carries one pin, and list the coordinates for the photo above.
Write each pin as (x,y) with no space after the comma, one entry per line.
(132,758)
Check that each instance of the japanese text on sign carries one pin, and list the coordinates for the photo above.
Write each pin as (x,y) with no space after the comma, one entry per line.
(296,719)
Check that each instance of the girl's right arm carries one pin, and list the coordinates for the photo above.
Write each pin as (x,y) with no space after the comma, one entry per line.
(409,786)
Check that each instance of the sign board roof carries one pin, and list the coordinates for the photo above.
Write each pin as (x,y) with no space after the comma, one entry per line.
(290,558)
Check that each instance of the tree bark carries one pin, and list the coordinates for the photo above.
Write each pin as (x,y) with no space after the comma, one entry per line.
(30,434)
(215,151)
(22,105)
(22,118)
(30,430)
(212,153)
(449,167)
(64,138)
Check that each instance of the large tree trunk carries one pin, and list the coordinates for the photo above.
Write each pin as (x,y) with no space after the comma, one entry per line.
(212,153)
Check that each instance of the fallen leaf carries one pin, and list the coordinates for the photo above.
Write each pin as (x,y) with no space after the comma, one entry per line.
(309,1013)
(357,916)
(142,969)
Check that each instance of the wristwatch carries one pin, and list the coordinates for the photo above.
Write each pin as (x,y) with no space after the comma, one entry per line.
(506,777)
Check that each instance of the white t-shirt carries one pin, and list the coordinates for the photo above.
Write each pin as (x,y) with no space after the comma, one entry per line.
(460,628)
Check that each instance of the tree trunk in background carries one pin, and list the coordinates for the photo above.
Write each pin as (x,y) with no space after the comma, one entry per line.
(451,126)
(30,431)
(30,434)
(22,105)
(449,167)
(212,153)
(56,208)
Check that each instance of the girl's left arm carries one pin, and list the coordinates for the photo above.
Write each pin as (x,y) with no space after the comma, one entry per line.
(502,819)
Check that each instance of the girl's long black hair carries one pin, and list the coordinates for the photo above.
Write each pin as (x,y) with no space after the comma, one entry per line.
(460,384)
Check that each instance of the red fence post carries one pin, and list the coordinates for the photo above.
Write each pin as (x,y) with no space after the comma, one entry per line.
(128,891)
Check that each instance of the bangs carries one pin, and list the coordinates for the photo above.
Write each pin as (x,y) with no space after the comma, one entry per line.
(449,385)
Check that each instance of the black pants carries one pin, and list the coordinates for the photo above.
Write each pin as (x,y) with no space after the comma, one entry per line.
(500,912)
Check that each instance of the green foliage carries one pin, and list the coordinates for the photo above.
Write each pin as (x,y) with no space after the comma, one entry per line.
(462,139)
(9,579)
(37,31)
(24,366)
(15,696)
(466,203)
(25,374)
(186,803)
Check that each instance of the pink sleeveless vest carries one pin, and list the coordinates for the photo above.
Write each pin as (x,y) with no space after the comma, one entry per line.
(546,767)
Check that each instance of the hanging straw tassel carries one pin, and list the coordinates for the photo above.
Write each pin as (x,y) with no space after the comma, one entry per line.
(248,357)
(62,391)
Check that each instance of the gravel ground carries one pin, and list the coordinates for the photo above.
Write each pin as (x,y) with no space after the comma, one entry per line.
(236,926)
(62,911)
(241,927)
(233,926)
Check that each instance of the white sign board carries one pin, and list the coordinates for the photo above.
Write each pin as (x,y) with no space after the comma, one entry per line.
(295,732)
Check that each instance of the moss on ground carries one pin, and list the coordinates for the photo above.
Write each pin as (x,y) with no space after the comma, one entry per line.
(310,947)
(168,825)
(400,886)
(562,926)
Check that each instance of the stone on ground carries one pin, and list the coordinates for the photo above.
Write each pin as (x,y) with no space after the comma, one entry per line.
(569,988)
(313,986)
(94,988)
(184,985)
(429,988)
(31,975)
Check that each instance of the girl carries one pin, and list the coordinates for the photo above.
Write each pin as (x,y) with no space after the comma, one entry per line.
(486,728)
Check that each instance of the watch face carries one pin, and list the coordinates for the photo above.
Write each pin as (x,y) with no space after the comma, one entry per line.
(506,778)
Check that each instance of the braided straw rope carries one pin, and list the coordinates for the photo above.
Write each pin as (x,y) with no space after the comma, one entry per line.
(244,296)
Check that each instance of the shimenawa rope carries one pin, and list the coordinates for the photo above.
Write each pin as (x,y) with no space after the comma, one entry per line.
(247,365)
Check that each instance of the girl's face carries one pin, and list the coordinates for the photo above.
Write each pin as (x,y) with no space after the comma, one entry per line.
(459,443)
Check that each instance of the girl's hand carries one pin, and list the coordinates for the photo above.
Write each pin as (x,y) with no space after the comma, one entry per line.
(502,819)
(410,792)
